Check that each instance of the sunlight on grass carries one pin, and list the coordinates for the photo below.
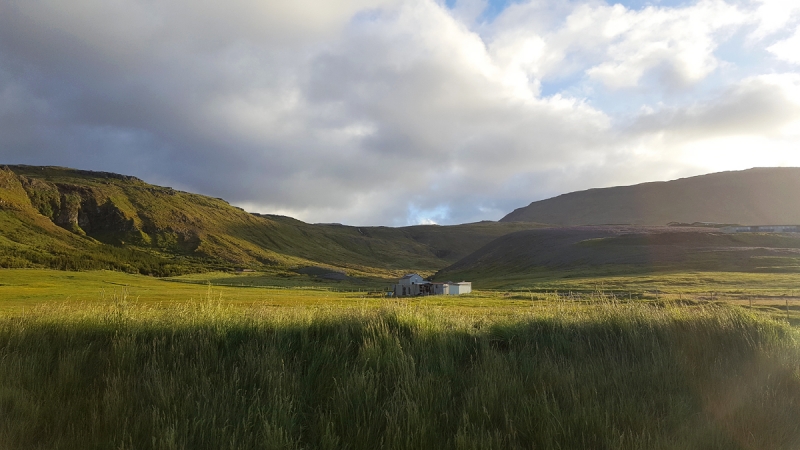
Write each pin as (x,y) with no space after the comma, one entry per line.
(409,374)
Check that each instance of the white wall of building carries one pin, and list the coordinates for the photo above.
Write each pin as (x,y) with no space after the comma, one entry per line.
(441,289)
(413,285)
(410,279)
(464,287)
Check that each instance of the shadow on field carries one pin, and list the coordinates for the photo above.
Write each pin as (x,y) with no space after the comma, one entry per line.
(602,377)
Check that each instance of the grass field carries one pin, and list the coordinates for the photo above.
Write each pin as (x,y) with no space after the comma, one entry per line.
(21,288)
(95,360)
(28,288)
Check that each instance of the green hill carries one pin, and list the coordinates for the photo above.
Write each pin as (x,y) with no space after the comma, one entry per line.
(71,219)
(758,196)
(610,250)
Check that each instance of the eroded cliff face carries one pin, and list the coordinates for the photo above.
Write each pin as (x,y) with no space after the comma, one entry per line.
(80,209)
(106,215)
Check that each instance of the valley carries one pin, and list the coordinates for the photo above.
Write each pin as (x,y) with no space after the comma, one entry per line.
(76,220)
(138,316)
(69,219)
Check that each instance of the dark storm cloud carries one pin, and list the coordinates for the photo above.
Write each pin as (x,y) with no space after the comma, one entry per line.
(370,112)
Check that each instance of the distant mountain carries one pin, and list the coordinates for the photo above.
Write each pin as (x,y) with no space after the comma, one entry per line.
(72,219)
(748,197)
(624,250)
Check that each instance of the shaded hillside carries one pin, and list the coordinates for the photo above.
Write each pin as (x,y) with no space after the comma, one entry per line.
(421,247)
(626,249)
(749,197)
(72,219)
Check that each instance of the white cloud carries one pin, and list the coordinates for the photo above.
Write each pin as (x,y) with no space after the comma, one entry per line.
(773,16)
(618,46)
(762,106)
(754,123)
(682,42)
(787,49)
(389,112)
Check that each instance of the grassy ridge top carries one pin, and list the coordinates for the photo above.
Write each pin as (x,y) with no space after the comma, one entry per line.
(760,196)
(71,219)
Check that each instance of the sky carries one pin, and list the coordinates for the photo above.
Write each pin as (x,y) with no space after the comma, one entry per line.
(395,112)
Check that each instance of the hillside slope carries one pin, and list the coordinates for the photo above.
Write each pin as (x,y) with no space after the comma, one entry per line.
(624,250)
(30,239)
(73,219)
(749,197)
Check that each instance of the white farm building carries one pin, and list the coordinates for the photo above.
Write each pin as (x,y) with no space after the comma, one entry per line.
(413,285)
(463,287)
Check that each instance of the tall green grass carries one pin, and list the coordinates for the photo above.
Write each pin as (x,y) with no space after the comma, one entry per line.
(208,376)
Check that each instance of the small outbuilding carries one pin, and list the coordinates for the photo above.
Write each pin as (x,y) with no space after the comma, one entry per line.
(440,289)
(413,285)
(464,287)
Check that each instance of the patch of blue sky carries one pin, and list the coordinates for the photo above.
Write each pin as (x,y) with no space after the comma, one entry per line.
(740,58)
(493,8)
(639,5)
(662,87)
(625,105)
(579,85)
(427,216)
(566,86)
(621,103)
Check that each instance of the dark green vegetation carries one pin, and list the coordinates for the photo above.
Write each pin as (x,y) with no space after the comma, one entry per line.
(59,218)
(548,253)
(611,337)
(556,375)
(761,196)
(78,220)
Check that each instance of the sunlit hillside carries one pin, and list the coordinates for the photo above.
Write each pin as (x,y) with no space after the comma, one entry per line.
(71,219)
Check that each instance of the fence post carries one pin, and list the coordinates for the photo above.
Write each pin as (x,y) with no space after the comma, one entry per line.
(787,309)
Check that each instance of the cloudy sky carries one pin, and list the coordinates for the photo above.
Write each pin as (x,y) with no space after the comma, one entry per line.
(395,112)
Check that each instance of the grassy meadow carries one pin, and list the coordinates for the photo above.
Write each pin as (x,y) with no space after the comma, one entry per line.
(29,288)
(97,360)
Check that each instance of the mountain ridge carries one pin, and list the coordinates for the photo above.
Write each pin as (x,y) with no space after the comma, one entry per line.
(66,218)
(617,250)
(76,219)
(757,196)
